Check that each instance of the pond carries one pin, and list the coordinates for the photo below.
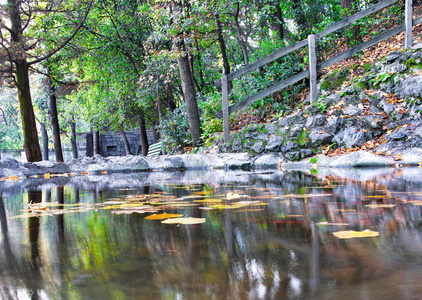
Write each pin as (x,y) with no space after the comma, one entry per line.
(250,235)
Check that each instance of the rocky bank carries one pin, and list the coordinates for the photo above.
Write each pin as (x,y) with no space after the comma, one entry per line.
(378,113)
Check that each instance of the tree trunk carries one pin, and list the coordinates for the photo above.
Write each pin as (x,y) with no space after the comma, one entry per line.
(188,87)
(223,49)
(349,9)
(44,141)
(278,21)
(95,142)
(73,138)
(240,39)
(29,127)
(143,137)
(125,142)
(89,151)
(155,134)
(54,119)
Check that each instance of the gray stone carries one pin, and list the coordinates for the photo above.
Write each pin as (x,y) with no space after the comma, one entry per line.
(293,119)
(318,136)
(417,46)
(315,121)
(387,108)
(353,111)
(392,56)
(271,128)
(296,130)
(289,146)
(332,99)
(267,161)
(371,122)
(274,143)
(304,153)
(350,137)
(258,147)
(333,125)
(292,155)
(356,159)
(397,135)
(410,87)
(394,68)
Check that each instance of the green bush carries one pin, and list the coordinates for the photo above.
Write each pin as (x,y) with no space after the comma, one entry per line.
(175,130)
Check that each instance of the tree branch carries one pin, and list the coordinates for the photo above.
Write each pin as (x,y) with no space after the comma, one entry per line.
(67,40)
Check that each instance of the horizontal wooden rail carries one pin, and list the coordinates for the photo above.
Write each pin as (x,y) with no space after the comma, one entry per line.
(349,20)
(360,47)
(262,62)
(272,89)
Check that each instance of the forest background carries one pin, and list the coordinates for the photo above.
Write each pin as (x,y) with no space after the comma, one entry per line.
(96,65)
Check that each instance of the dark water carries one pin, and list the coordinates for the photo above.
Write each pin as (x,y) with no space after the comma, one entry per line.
(273,245)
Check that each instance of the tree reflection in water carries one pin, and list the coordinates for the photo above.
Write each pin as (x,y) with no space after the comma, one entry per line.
(282,250)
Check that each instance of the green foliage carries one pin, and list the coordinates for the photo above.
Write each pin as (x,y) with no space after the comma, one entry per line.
(175,129)
(313,160)
(334,79)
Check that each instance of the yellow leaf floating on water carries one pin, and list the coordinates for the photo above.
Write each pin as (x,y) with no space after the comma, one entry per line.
(380,205)
(350,234)
(185,221)
(332,224)
(163,216)
(208,201)
(232,196)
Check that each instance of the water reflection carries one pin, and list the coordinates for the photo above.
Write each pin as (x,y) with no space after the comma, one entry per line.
(266,236)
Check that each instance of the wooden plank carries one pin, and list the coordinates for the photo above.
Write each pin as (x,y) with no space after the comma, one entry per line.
(312,68)
(408,20)
(262,62)
(417,21)
(272,89)
(226,115)
(155,149)
(360,47)
(349,20)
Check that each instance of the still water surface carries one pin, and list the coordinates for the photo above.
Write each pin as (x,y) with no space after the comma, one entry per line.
(267,235)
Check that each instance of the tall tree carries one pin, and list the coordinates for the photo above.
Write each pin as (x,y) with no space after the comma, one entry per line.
(24,44)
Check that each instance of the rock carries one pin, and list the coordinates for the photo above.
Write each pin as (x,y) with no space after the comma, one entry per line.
(333,125)
(397,135)
(332,100)
(350,137)
(394,68)
(315,121)
(370,122)
(410,87)
(387,108)
(274,143)
(356,159)
(392,56)
(289,146)
(304,153)
(271,128)
(296,130)
(417,46)
(292,155)
(267,161)
(258,147)
(318,136)
(353,111)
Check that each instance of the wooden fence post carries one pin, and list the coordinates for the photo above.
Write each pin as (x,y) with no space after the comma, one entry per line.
(409,24)
(312,68)
(226,115)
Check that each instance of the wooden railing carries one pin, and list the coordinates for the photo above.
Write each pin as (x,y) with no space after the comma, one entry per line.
(311,72)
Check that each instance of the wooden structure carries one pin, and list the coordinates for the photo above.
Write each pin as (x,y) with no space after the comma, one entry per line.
(313,64)
(155,149)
